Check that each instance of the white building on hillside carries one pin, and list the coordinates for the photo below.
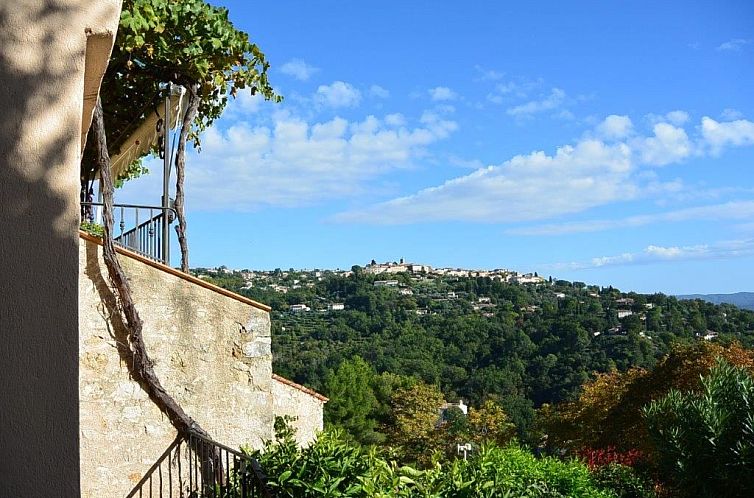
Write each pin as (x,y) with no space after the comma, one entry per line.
(386,283)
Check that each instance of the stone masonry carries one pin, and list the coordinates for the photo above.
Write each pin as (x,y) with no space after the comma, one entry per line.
(302,404)
(211,351)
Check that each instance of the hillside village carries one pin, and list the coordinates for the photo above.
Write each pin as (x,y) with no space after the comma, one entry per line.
(417,279)
(439,290)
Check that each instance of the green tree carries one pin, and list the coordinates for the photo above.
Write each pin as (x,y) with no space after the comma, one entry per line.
(489,423)
(415,417)
(352,400)
(385,385)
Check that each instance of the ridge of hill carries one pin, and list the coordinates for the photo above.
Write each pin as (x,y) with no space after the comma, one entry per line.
(743,300)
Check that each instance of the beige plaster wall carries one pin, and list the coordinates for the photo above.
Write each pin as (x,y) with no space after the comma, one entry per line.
(211,352)
(43,57)
(307,410)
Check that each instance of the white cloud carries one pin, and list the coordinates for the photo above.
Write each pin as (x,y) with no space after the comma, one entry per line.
(669,144)
(298,69)
(729,114)
(379,92)
(654,254)
(527,187)
(442,93)
(734,210)
(465,163)
(677,118)
(718,135)
(396,119)
(554,100)
(537,186)
(514,89)
(672,252)
(247,103)
(294,163)
(338,94)
(437,124)
(506,88)
(502,91)
(615,127)
(488,74)
(734,45)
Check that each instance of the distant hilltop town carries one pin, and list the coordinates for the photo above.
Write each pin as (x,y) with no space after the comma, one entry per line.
(415,268)
(424,290)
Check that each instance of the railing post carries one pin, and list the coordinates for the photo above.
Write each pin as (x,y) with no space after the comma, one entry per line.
(166,179)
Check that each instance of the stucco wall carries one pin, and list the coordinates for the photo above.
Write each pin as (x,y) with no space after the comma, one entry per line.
(43,56)
(211,352)
(303,406)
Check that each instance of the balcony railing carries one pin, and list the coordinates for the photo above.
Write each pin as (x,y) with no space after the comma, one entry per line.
(194,466)
(147,232)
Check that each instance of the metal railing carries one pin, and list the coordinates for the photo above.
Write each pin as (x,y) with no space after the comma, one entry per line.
(148,234)
(194,466)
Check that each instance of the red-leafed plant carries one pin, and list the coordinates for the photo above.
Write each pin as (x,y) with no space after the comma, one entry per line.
(599,457)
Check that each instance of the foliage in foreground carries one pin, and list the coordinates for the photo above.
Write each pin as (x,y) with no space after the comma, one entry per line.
(608,410)
(705,440)
(92,228)
(335,468)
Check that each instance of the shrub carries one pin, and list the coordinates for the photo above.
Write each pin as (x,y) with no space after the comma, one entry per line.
(515,472)
(623,481)
(608,410)
(333,467)
(705,440)
(92,228)
(600,457)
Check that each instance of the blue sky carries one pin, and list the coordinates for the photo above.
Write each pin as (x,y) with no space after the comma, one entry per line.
(605,142)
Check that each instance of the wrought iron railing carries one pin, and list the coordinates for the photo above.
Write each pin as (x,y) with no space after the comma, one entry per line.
(194,466)
(148,234)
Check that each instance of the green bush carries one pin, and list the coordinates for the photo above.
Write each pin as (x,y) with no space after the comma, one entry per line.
(623,481)
(515,472)
(333,467)
(705,440)
(92,228)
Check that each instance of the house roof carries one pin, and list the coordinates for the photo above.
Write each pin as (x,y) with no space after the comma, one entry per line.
(301,388)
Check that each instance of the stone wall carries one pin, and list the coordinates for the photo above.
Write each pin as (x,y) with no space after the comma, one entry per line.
(301,403)
(211,352)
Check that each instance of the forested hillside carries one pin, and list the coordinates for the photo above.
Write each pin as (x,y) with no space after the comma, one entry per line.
(474,338)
